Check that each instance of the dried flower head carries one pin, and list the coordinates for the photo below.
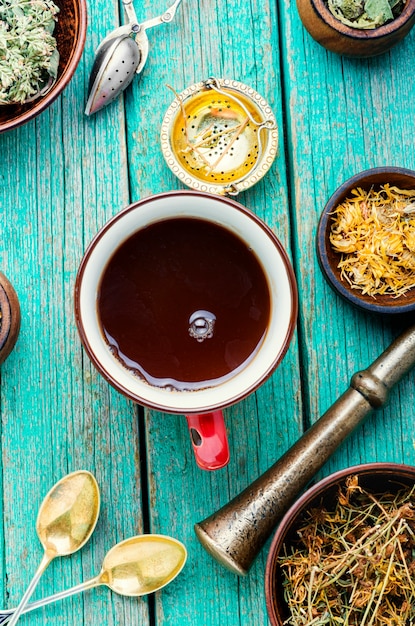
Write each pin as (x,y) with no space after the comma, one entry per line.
(28,55)
(374,231)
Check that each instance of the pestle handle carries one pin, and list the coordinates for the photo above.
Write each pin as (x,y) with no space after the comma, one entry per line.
(235,534)
(376,381)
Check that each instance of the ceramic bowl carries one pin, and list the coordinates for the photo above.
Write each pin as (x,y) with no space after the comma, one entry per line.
(337,37)
(377,478)
(9,317)
(70,34)
(329,259)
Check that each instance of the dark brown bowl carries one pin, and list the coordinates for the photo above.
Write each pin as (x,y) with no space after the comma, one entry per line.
(70,33)
(375,477)
(342,39)
(9,317)
(328,258)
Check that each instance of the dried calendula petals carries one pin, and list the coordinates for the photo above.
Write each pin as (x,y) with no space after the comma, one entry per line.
(374,231)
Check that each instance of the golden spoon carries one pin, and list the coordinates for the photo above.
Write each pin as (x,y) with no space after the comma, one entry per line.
(134,567)
(65,522)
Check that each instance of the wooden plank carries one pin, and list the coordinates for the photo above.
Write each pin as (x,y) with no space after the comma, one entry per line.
(64,175)
(343,116)
(213,38)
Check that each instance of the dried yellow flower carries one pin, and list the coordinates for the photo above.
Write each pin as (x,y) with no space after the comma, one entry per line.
(374,231)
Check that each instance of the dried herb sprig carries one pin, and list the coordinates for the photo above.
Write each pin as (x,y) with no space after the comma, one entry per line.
(28,55)
(208,139)
(365,14)
(354,565)
(374,231)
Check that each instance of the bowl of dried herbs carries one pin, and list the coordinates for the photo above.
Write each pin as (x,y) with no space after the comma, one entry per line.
(345,551)
(41,43)
(366,240)
(357,28)
(9,317)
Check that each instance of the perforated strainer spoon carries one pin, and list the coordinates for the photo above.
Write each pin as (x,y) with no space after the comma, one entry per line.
(219,136)
(122,54)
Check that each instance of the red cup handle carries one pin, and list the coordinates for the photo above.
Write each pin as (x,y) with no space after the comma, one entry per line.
(209,440)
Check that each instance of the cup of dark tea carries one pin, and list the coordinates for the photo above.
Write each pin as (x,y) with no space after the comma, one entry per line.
(186,302)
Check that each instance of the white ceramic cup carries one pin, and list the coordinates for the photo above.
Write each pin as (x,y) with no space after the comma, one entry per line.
(202,407)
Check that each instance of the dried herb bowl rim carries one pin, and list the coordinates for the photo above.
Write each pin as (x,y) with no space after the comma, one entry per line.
(379,471)
(321,8)
(64,77)
(382,304)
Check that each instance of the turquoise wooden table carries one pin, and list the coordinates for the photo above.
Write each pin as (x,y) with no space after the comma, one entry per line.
(62,176)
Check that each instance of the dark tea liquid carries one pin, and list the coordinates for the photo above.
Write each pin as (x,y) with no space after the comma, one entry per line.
(184,303)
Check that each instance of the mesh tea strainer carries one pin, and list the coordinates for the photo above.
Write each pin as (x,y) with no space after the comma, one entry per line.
(219,136)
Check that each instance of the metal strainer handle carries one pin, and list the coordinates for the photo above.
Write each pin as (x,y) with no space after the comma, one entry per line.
(155,21)
(268,124)
(138,29)
(213,83)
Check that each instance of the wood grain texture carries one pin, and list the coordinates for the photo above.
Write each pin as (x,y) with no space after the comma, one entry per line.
(343,116)
(228,43)
(59,183)
(213,38)
(62,176)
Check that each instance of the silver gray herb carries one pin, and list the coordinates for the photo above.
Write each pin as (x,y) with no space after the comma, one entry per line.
(365,14)
(29,58)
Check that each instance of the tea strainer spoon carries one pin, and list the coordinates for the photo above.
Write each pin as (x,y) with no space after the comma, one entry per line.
(122,54)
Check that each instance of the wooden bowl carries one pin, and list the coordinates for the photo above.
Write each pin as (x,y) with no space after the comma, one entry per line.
(329,259)
(70,34)
(376,478)
(342,39)
(9,317)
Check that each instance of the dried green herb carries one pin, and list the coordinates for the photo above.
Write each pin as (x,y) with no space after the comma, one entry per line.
(354,563)
(365,14)
(28,55)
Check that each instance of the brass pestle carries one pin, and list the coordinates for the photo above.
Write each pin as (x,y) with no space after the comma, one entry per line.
(235,534)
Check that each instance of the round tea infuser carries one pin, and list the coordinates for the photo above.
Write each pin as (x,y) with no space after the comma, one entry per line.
(219,136)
